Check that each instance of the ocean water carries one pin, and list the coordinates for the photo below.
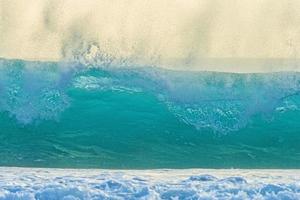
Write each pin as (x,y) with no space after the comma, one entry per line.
(175,100)
(70,115)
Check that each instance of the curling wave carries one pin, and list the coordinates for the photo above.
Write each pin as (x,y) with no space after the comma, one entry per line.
(110,116)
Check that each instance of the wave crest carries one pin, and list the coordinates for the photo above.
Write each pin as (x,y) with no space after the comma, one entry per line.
(222,102)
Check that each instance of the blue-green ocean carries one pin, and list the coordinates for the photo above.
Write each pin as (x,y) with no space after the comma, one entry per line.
(66,115)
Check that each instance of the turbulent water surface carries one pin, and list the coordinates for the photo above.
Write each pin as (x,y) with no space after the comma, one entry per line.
(19,183)
(68,115)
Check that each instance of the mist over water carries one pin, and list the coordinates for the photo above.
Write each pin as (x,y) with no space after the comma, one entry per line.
(208,35)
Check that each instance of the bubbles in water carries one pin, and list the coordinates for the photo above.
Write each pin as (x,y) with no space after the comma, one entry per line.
(31,91)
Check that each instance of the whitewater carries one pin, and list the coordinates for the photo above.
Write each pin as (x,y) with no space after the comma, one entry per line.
(150,184)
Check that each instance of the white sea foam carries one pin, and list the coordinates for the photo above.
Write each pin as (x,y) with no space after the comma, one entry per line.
(32,183)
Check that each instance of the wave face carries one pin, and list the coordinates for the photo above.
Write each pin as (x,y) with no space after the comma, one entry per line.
(154,184)
(63,114)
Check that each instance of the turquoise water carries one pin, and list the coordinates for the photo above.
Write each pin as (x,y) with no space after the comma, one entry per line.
(72,116)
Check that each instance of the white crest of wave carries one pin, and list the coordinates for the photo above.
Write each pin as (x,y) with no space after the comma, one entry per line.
(214,35)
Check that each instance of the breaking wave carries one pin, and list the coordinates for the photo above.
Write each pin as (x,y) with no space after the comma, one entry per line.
(98,115)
